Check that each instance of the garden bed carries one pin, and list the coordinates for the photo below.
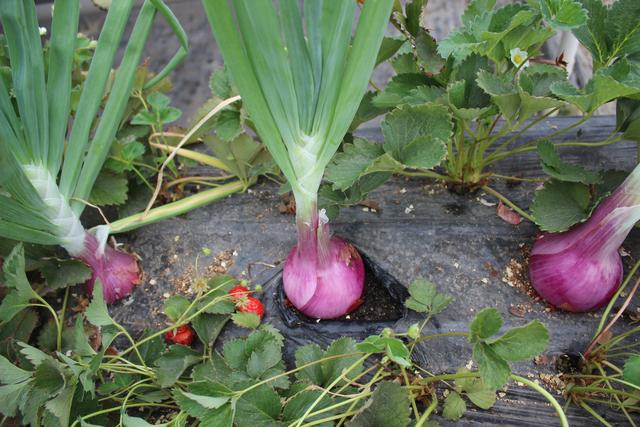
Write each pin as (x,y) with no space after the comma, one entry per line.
(419,230)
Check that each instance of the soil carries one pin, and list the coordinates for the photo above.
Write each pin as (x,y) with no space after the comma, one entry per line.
(382,300)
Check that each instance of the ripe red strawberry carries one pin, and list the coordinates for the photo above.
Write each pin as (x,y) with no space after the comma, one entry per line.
(252,305)
(239,291)
(181,335)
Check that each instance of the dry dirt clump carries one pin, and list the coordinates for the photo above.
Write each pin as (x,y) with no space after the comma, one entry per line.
(516,274)
(554,382)
(220,264)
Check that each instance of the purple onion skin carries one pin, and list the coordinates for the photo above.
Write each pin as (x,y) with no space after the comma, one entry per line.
(323,275)
(580,269)
(117,271)
(572,281)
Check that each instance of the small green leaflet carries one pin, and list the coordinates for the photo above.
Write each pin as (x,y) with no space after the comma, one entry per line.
(394,349)
(486,324)
(358,159)
(554,166)
(246,320)
(491,354)
(454,407)
(631,371)
(15,279)
(176,306)
(388,407)
(97,312)
(109,189)
(417,136)
(563,14)
(424,298)
(172,364)
(327,371)
(476,391)
(60,274)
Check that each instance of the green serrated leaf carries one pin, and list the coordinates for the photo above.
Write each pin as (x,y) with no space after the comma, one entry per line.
(555,167)
(172,364)
(228,125)
(417,135)
(397,89)
(208,326)
(80,340)
(220,417)
(220,83)
(49,377)
(297,406)
(486,324)
(307,354)
(523,342)
(494,370)
(60,274)
(559,205)
(477,392)
(623,27)
(563,14)
(427,53)
(424,298)
(109,189)
(264,358)
(259,407)
(97,313)
(60,406)
(11,374)
(246,320)
(631,371)
(47,338)
(357,159)
(405,63)
(388,407)
(388,48)
(175,306)
(12,395)
(454,407)
(397,352)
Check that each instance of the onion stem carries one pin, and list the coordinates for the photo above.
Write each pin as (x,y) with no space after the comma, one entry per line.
(176,208)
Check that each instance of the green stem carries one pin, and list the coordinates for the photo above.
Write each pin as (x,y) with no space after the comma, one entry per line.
(176,208)
(63,310)
(591,389)
(432,407)
(607,310)
(516,178)
(505,144)
(413,400)
(324,420)
(563,418)
(529,147)
(615,396)
(182,321)
(117,408)
(425,174)
(508,202)
(595,415)
(329,387)
(442,334)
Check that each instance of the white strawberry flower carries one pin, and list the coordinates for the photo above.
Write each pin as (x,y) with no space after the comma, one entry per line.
(519,57)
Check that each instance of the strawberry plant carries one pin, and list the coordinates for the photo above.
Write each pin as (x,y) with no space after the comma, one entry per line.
(457,107)
(101,375)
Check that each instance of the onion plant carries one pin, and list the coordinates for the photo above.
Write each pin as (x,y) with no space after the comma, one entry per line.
(301,76)
(49,160)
